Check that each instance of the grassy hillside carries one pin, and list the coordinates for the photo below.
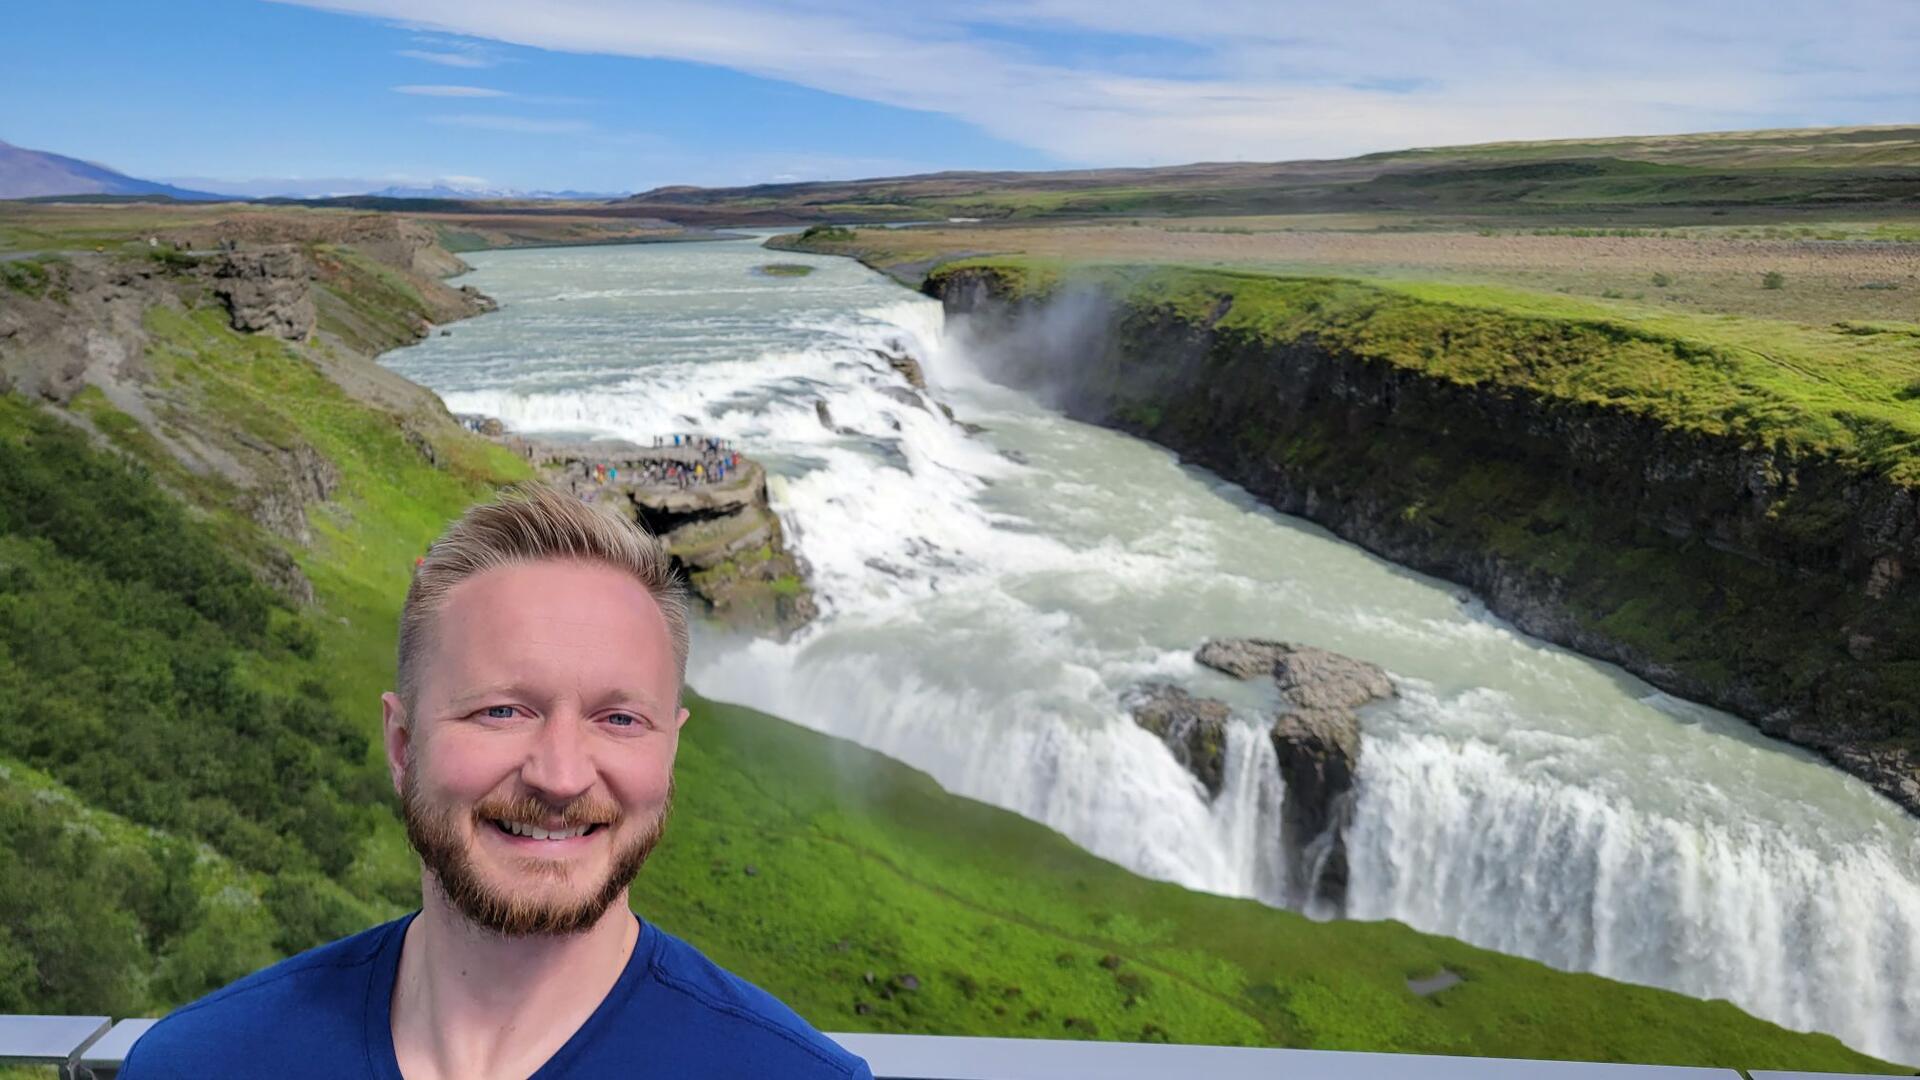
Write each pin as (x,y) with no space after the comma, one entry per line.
(1753,172)
(1887,145)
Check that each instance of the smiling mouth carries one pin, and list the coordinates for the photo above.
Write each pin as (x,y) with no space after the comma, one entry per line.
(535,832)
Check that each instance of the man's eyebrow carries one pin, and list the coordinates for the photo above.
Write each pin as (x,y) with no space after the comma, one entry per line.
(641,696)
(474,697)
(509,689)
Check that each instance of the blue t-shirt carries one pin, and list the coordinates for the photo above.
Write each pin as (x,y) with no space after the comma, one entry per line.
(673,1014)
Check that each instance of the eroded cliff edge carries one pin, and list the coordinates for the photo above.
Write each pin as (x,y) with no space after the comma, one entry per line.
(1751,571)
(163,345)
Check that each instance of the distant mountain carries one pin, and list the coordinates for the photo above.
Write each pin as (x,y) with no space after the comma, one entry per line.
(25,174)
(440,191)
(452,191)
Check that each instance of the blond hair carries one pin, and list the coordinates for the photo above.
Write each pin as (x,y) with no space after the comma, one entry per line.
(527,523)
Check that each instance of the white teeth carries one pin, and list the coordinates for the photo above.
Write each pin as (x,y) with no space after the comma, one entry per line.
(537,833)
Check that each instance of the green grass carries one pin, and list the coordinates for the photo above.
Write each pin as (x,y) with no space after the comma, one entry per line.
(368,305)
(29,277)
(784,269)
(166,750)
(838,862)
(1835,392)
(1830,148)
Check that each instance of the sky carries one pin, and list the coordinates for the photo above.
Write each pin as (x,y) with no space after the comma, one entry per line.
(323,96)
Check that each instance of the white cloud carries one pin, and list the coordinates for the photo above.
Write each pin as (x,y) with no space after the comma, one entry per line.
(486,92)
(451,91)
(1149,82)
(522,125)
(449,59)
(456,52)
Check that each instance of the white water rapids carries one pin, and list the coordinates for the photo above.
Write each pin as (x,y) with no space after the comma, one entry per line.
(988,598)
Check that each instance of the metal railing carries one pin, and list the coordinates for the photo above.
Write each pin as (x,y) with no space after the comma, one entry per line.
(79,1046)
(94,1047)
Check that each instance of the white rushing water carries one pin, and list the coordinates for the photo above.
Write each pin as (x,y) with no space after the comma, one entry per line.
(988,598)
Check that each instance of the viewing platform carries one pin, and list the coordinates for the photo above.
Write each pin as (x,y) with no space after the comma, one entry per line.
(704,498)
(95,1046)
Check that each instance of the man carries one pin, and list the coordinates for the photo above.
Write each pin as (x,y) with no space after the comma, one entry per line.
(531,739)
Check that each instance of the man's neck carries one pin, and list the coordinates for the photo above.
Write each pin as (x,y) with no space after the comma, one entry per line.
(470,1003)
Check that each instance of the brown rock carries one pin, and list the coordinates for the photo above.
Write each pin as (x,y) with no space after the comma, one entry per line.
(1242,658)
(905,397)
(1311,678)
(269,290)
(907,366)
(1308,677)
(1319,754)
(1194,728)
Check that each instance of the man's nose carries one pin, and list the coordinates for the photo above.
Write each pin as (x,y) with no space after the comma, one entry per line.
(559,766)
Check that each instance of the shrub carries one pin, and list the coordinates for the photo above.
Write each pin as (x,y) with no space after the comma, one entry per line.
(27,276)
(133,652)
(828,234)
(1660,280)
(171,259)
(310,910)
(1773,279)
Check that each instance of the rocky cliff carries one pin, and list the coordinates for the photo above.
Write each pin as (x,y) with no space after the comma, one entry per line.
(1771,581)
(152,343)
(724,537)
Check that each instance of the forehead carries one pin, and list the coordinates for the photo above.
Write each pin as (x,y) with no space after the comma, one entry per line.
(550,620)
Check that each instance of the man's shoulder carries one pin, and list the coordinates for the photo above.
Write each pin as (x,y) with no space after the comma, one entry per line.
(750,1014)
(277,1013)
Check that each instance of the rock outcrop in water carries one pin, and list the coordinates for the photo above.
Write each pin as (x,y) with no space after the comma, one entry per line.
(1771,582)
(905,397)
(1316,741)
(1319,753)
(724,537)
(1194,728)
(1311,678)
(907,366)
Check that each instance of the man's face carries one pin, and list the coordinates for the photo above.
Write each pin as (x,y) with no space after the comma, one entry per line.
(537,770)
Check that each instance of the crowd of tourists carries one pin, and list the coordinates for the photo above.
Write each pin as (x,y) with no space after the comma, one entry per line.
(702,460)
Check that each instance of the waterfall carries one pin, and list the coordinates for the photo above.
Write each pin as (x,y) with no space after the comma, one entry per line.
(987,599)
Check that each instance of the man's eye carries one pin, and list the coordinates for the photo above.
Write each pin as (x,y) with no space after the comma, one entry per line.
(622,719)
(500,712)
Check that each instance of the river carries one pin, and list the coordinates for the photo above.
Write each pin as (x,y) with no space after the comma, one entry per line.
(988,598)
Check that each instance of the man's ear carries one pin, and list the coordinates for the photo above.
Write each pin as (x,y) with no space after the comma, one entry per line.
(397,735)
(679,720)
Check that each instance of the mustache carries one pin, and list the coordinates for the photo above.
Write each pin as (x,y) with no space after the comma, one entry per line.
(527,810)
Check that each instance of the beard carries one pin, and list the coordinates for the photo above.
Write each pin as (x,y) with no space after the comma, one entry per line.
(436,834)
